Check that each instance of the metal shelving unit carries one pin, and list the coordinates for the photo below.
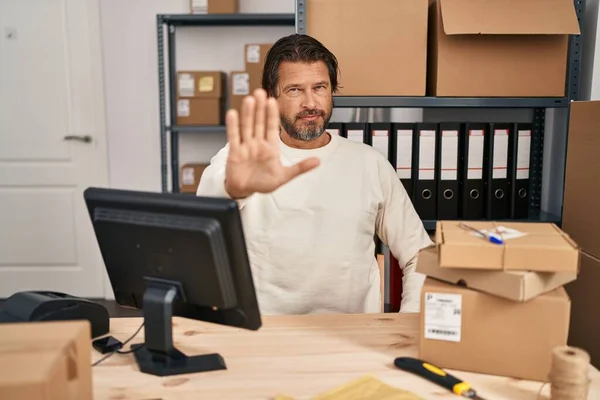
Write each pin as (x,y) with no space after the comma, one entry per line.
(167,65)
(538,105)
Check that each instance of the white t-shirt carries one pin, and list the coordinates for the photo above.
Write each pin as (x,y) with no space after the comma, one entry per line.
(311,242)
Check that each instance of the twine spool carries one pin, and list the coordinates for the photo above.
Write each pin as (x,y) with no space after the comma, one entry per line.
(568,375)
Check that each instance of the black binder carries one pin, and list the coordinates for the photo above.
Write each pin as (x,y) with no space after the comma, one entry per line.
(472,188)
(356,131)
(496,171)
(403,144)
(379,138)
(518,171)
(424,163)
(335,128)
(447,170)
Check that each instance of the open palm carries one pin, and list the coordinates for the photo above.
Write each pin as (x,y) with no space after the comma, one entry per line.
(254,164)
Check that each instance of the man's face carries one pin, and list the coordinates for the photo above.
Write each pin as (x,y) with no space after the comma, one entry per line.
(305,99)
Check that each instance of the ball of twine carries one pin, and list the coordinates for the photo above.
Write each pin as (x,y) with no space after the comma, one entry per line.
(568,375)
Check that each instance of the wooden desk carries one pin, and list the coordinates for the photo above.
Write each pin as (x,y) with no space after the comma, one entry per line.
(299,356)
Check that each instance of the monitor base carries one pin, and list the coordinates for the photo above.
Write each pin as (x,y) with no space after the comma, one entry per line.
(176,363)
(157,355)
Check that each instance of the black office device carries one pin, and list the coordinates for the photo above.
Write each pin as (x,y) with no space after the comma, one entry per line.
(172,254)
(30,306)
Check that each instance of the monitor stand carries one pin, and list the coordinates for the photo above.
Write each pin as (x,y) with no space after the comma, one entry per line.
(157,355)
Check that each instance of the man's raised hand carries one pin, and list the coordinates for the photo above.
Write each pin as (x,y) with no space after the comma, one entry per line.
(254,164)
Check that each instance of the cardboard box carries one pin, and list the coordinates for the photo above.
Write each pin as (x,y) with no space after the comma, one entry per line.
(40,375)
(190,177)
(381,46)
(239,87)
(585,296)
(214,6)
(544,247)
(468,330)
(201,97)
(511,285)
(581,208)
(51,351)
(499,48)
(254,62)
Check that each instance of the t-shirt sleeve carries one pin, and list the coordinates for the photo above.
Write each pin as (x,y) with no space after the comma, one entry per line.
(398,224)
(212,182)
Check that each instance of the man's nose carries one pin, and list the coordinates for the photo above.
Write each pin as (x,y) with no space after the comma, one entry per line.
(308,100)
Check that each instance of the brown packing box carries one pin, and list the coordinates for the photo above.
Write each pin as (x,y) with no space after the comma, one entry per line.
(190,177)
(467,330)
(201,97)
(214,6)
(511,285)
(584,329)
(581,207)
(40,375)
(239,87)
(381,46)
(544,247)
(51,344)
(254,61)
(499,48)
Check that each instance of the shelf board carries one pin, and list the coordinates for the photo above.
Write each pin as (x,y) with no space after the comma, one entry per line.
(239,19)
(450,102)
(197,128)
(538,217)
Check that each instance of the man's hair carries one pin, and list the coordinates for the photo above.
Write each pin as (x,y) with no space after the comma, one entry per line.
(297,48)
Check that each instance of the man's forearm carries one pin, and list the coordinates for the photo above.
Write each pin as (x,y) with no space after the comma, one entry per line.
(412,283)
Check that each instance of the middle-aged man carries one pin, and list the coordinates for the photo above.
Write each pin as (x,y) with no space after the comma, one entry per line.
(311,203)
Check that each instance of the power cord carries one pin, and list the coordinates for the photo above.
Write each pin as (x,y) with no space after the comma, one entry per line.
(119,351)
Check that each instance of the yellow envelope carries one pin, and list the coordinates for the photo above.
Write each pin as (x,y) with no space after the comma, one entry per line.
(365,388)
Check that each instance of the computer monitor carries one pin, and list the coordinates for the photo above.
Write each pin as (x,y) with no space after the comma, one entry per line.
(173,254)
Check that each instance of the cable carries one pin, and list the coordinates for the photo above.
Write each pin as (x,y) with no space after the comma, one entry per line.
(118,350)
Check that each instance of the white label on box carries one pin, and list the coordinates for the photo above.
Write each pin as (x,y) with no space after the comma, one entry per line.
(449,169)
(183,108)
(199,6)
(253,53)
(443,316)
(404,153)
(426,155)
(380,141)
(186,85)
(356,135)
(475,163)
(523,153)
(187,176)
(500,154)
(241,84)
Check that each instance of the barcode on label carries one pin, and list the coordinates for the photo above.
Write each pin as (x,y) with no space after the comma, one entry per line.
(442,332)
(443,316)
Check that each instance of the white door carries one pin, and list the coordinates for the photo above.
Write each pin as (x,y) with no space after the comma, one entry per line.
(51,102)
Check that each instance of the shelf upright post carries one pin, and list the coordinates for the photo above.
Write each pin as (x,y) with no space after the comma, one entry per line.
(161,96)
(173,109)
(300,16)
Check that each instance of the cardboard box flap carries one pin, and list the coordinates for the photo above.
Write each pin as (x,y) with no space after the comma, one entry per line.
(521,17)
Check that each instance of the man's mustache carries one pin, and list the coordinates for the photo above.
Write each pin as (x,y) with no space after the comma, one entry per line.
(311,113)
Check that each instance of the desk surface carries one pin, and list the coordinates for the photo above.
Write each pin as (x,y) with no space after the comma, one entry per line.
(299,356)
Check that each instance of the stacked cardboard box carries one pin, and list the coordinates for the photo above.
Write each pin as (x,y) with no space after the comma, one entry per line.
(200,97)
(242,83)
(581,220)
(496,308)
(190,177)
(446,47)
(214,6)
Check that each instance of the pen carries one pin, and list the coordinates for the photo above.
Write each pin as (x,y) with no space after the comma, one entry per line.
(491,237)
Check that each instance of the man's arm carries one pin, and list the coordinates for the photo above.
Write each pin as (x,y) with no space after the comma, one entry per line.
(401,229)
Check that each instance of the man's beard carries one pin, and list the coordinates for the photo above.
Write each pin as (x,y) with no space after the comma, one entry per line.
(310,130)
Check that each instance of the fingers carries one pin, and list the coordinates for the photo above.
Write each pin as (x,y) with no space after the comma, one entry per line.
(247,118)
(260,114)
(232,127)
(272,120)
(300,168)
